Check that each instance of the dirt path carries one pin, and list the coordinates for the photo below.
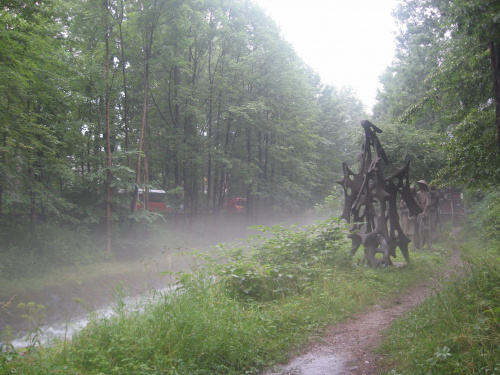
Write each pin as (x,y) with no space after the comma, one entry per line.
(347,348)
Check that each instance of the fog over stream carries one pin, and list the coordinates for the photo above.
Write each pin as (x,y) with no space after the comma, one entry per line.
(68,307)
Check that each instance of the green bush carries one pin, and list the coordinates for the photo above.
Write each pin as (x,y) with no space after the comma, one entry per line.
(485,218)
(283,264)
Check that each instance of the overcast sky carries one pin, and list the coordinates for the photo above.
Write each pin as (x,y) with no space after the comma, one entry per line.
(348,42)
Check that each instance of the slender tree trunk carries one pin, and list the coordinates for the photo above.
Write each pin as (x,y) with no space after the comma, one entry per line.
(2,177)
(146,167)
(249,207)
(495,69)
(148,45)
(218,164)
(32,195)
(214,191)
(223,174)
(108,145)
(125,93)
(212,68)
(209,169)
(141,134)
(148,37)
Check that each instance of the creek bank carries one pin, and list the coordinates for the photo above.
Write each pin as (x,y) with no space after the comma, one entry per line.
(93,292)
(94,285)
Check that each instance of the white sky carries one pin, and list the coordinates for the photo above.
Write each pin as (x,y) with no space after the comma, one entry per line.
(348,42)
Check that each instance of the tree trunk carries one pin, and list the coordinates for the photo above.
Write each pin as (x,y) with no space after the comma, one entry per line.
(146,167)
(174,111)
(125,93)
(108,145)
(249,208)
(4,161)
(495,70)
(148,39)
(141,134)
(210,120)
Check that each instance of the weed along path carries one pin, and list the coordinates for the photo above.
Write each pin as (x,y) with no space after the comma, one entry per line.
(348,347)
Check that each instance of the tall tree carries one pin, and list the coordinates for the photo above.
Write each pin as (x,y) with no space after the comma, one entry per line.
(107,32)
(457,89)
(34,109)
(479,21)
(150,17)
(210,98)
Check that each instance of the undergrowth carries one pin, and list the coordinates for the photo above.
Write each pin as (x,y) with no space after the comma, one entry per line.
(244,310)
(457,331)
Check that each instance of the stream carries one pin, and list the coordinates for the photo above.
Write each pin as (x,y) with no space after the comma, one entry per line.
(65,316)
(65,330)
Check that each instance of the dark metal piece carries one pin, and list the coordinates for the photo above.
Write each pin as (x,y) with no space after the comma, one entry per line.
(370,202)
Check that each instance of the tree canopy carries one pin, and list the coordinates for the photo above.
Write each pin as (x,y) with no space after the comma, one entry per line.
(444,79)
(202,99)
(205,100)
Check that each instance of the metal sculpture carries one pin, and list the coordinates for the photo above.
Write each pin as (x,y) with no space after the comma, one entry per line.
(370,202)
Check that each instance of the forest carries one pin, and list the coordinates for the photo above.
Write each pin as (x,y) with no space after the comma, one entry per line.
(103,103)
(101,99)
(201,99)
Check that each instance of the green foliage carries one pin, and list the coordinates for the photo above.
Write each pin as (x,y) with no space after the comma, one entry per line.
(205,325)
(34,316)
(485,213)
(441,81)
(283,264)
(339,134)
(333,204)
(473,159)
(33,112)
(422,147)
(457,330)
(216,336)
(231,110)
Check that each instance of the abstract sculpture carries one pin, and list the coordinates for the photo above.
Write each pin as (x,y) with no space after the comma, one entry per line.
(370,202)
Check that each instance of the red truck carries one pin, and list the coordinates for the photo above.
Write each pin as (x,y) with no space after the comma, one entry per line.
(236,205)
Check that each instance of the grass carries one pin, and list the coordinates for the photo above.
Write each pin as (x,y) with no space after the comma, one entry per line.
(457,331)
(237,315)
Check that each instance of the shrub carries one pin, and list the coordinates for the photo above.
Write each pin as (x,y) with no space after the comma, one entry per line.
(282,264)
(485,218)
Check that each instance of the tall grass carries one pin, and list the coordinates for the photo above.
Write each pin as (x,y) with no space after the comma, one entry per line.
(243,311)
(458,330)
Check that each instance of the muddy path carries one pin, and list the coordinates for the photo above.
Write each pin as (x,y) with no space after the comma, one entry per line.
(348,347)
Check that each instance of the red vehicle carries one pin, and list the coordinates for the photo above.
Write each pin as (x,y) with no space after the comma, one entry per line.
(236,205)
(156,200)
